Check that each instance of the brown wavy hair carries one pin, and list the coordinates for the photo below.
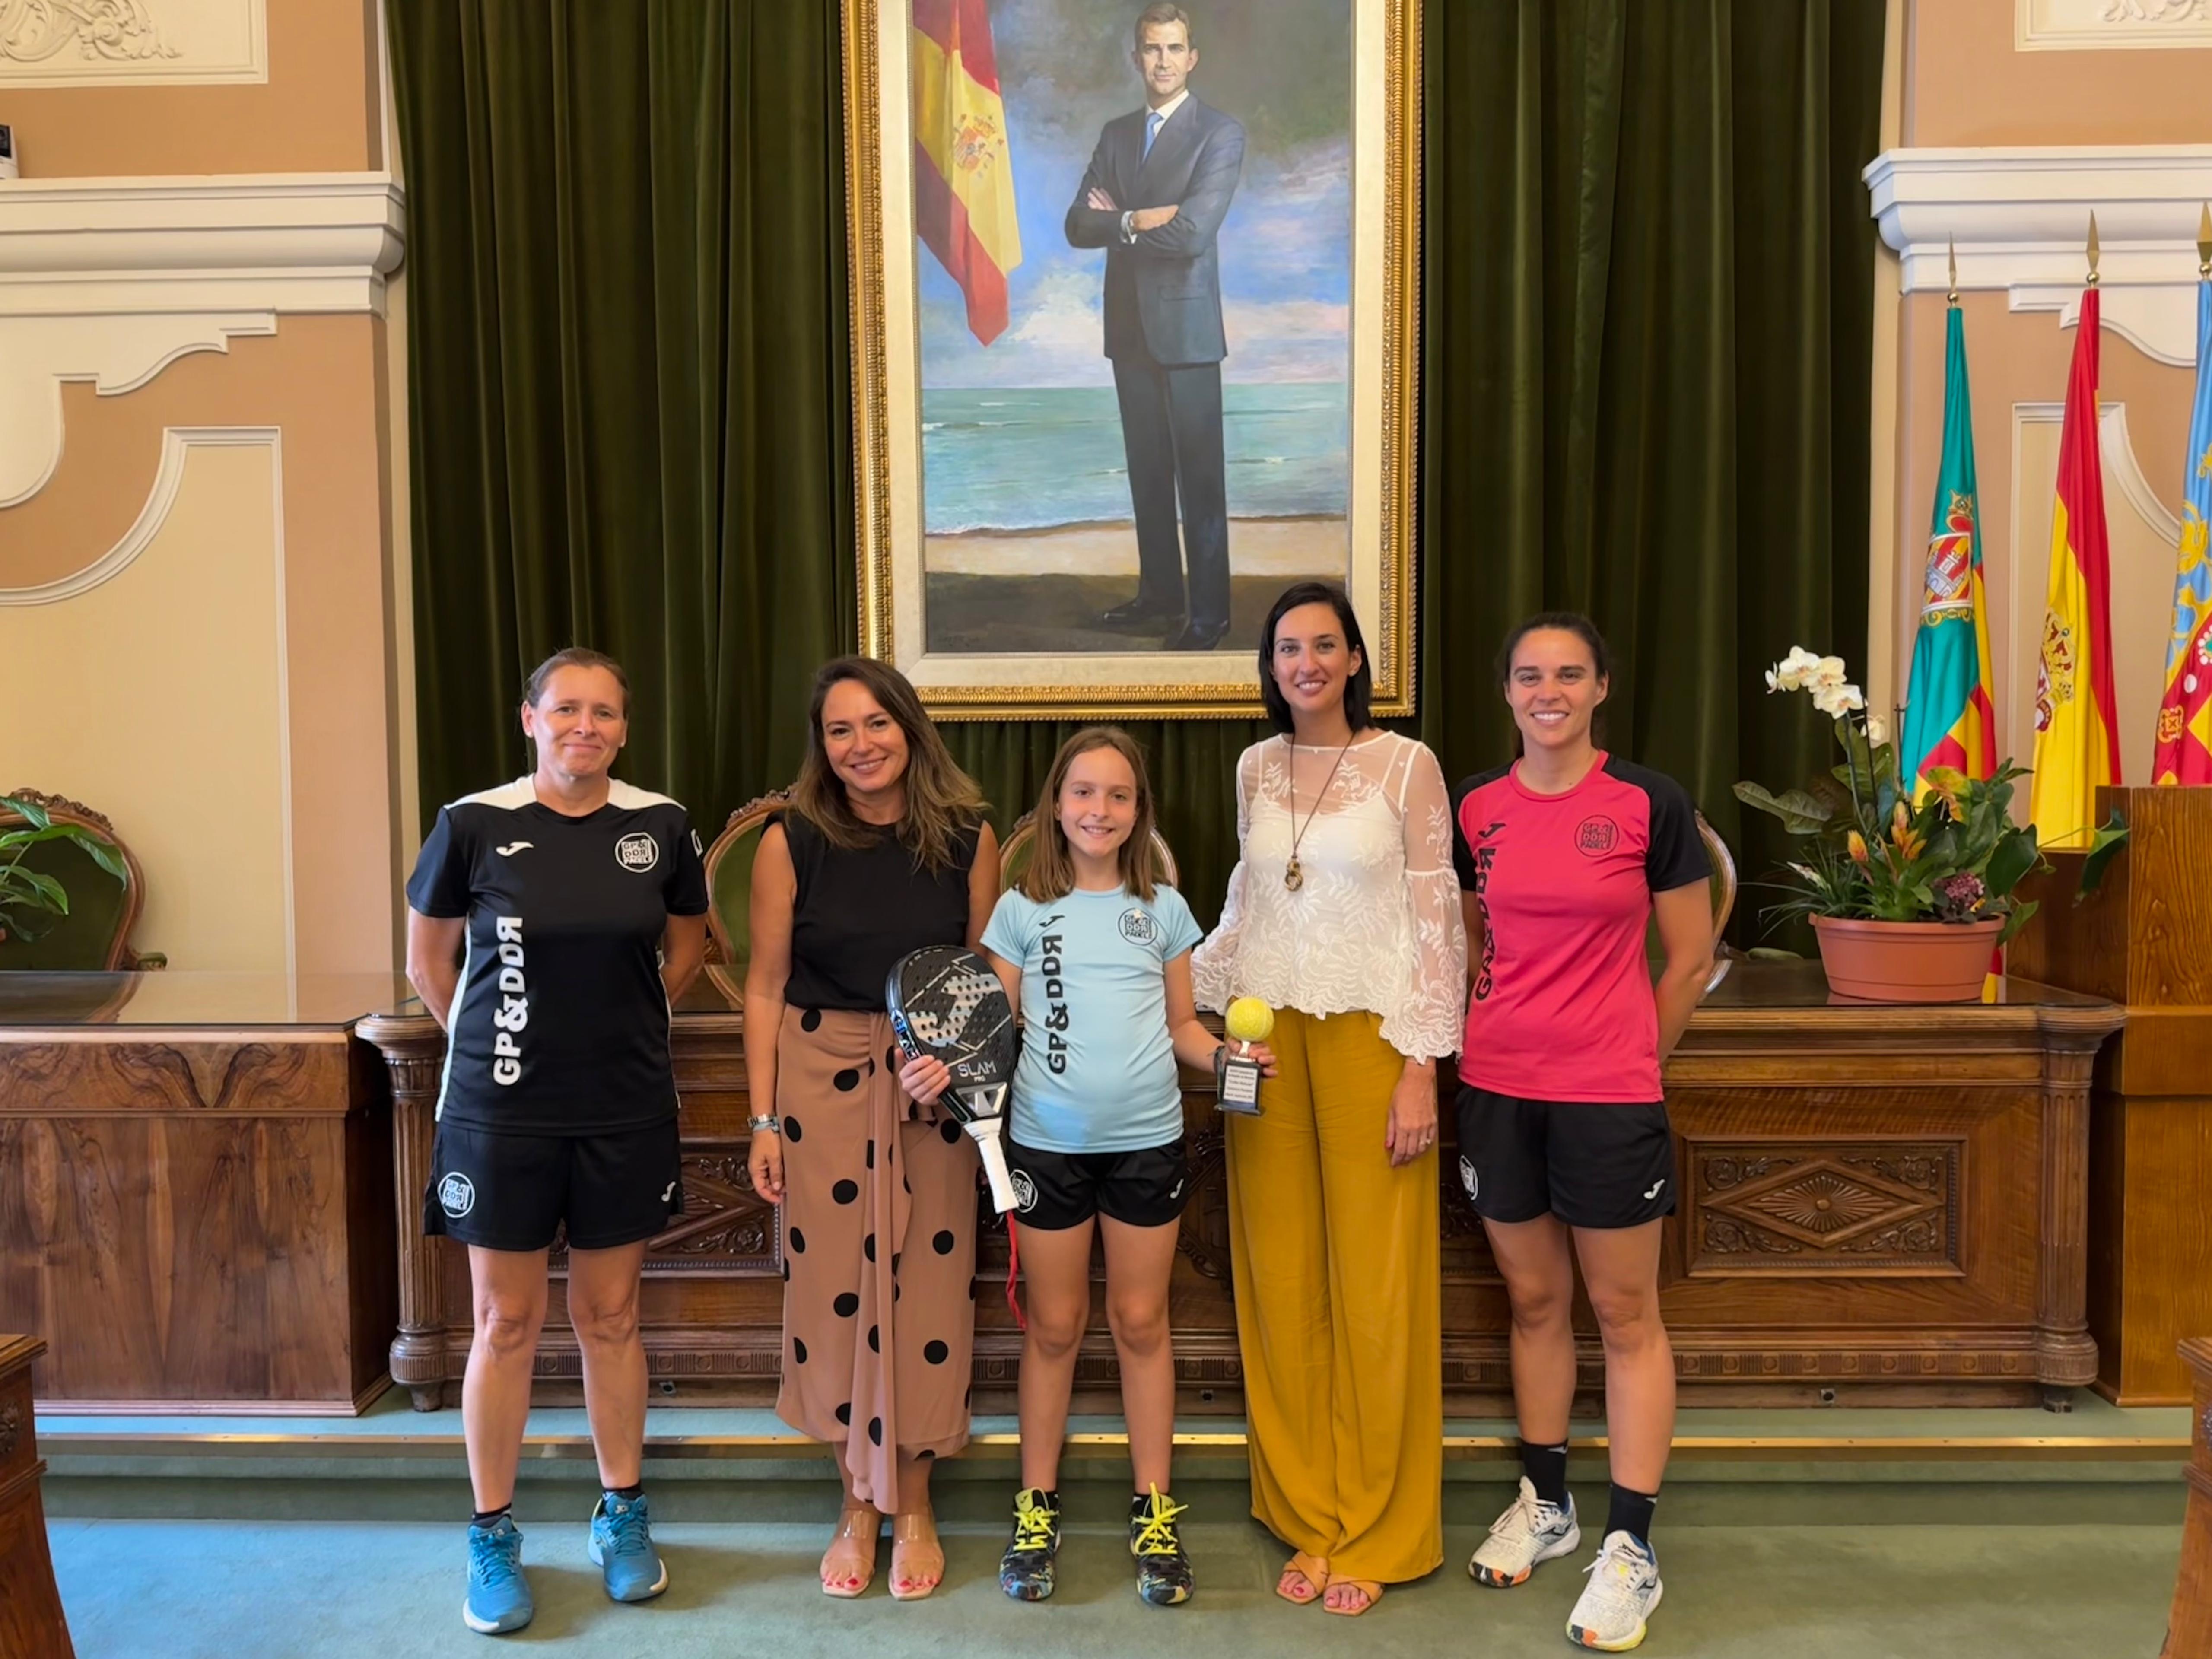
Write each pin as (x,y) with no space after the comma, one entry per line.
(1051,871)
(942,801)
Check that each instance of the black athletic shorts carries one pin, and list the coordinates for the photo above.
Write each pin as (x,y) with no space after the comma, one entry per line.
(1592,1164)
(511,1191)
(1057,1190)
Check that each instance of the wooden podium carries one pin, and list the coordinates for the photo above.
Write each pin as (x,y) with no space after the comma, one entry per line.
(2144,938)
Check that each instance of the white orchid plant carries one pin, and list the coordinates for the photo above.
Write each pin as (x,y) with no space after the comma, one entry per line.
(1873,852)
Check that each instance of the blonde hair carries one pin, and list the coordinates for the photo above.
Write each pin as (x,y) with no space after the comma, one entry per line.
(942,801)
(1051,871)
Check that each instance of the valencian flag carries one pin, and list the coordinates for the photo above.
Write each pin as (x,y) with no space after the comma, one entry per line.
(2077,741)
(963,176)
(2184,715)
(1949,717)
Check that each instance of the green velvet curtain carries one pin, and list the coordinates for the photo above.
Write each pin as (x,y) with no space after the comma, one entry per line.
(1646,302)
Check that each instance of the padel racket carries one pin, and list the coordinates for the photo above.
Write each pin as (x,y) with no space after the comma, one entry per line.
(945,1002)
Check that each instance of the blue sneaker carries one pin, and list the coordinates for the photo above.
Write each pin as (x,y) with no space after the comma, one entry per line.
(499,1595)
(621,1549)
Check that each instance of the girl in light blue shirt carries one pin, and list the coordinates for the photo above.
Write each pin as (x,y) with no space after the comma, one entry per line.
(1094,950)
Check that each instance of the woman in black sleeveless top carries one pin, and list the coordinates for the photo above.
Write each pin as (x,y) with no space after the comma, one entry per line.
(885,850)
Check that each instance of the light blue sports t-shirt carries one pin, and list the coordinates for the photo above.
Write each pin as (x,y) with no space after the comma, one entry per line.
(1098,1073)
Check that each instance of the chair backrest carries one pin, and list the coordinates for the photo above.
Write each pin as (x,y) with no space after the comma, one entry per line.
(1021,842)
(95,935)
(729,893)
(1721,884)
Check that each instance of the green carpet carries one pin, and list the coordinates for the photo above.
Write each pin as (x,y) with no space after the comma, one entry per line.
(138,1590)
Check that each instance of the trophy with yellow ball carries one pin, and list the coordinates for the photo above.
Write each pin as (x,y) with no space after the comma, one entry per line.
(1248,1020)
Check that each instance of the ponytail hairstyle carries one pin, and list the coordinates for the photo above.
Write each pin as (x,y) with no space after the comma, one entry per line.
(1051,871)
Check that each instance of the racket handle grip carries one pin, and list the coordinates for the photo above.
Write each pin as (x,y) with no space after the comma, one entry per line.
(994,1169)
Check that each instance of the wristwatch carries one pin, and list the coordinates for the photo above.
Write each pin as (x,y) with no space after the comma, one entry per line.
(764,1125)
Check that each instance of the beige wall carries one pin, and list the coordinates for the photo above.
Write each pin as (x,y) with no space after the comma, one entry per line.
(1964,82)
(278,565)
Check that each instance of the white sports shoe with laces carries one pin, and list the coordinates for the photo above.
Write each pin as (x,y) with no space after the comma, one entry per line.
(1529,1533)
(1624,1588)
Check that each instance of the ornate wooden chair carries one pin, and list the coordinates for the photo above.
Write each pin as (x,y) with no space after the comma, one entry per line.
(95,935)
(1724,887)
(1021,842)
(729,892)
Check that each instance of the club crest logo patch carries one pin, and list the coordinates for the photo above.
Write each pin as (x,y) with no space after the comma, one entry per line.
(1138,926)
(639,852)
(1025,1194)
(457,1196)
(1595,835)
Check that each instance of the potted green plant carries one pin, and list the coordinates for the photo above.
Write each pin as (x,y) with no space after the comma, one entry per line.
(1906,897)
(31,902)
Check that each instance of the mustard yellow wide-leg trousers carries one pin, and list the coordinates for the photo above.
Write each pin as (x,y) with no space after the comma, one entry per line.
(1338,1306)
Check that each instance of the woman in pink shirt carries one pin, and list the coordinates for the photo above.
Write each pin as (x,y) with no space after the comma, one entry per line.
(1565,856)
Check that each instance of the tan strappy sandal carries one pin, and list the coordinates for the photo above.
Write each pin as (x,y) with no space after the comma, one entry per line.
(1366,1587)
(917,1557)
(849,1564)
(1309,1571)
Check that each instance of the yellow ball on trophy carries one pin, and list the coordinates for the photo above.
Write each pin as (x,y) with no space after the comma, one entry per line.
(1248,1020)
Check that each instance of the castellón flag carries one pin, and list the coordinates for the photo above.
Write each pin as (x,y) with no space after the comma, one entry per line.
(963,177)
(1949,719)
(2077,743)
(2185,714)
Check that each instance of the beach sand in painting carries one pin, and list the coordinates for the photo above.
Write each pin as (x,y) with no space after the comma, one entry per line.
(1041,591)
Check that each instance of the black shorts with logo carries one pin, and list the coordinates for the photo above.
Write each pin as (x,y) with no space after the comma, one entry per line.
(512,1192)
(1057,1190)
(1592,1164)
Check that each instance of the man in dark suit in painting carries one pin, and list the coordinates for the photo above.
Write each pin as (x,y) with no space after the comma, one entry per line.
(1158,186)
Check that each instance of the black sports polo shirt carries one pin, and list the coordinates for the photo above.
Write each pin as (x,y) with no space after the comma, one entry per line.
(560,1025)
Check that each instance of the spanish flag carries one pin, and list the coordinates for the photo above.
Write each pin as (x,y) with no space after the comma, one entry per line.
(964,176)
(2077,744)
(2184,754)
(1949,719)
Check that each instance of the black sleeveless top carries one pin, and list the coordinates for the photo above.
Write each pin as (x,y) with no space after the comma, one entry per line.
(856,912)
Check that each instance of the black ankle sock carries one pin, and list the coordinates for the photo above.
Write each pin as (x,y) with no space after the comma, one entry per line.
(1547,1469)
(1630,1512)
(628,1494)
(490,1517)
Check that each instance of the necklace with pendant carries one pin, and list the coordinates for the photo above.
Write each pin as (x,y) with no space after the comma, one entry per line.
(1293,877)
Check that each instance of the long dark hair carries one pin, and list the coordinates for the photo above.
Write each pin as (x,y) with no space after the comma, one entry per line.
(941,801)
(1566,621)
(1358,690)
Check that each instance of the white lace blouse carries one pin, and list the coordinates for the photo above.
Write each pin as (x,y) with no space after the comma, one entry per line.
(1374,923)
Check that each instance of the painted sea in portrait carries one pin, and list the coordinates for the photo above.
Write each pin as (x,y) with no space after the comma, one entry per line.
(1029,531)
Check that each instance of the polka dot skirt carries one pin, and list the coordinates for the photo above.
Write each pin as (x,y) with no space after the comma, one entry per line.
(878,1201)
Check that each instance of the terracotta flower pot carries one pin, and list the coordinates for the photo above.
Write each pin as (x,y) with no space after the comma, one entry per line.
(1905,961)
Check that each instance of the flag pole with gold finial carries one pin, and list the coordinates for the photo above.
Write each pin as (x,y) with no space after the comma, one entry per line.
(1954,295)
(2093,250)
(2204,242)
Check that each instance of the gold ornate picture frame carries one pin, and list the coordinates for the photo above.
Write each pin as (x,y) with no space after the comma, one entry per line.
(993,266)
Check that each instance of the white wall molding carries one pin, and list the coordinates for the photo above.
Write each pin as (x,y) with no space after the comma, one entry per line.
(2123,468)
(2111,25)
(2019,219)
(122,43)
(276,242)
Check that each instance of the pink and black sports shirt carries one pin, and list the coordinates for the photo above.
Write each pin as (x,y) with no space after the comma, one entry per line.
(1563,1006)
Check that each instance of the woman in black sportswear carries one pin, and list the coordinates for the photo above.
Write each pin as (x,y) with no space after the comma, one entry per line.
(551,924)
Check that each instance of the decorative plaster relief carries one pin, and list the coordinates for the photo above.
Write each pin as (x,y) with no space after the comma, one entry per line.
(111,280)
(106,43)
(2018,218)
(2111,25)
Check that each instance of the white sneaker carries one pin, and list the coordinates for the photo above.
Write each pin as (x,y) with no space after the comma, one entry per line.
(1530,1532)
(1623,1589)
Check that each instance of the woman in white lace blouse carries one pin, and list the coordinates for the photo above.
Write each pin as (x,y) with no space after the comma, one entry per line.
(1343,913)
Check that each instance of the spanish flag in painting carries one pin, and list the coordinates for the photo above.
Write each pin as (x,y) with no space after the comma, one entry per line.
(964,176)
(2077,740)
(1949,717)
(2184,754)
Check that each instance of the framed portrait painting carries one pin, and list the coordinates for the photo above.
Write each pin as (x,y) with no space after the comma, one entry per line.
(1135,309)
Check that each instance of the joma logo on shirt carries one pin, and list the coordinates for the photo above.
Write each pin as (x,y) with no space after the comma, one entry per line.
(1484,857)
(513,1013)
(1056,996)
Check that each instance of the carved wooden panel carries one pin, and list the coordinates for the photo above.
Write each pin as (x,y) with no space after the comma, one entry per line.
(1822,1208)
(726,1227)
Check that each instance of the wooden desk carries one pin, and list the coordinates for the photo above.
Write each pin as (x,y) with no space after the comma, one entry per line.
(1881,1204)
(2189,1631)
(196,1189)
(31,1622)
